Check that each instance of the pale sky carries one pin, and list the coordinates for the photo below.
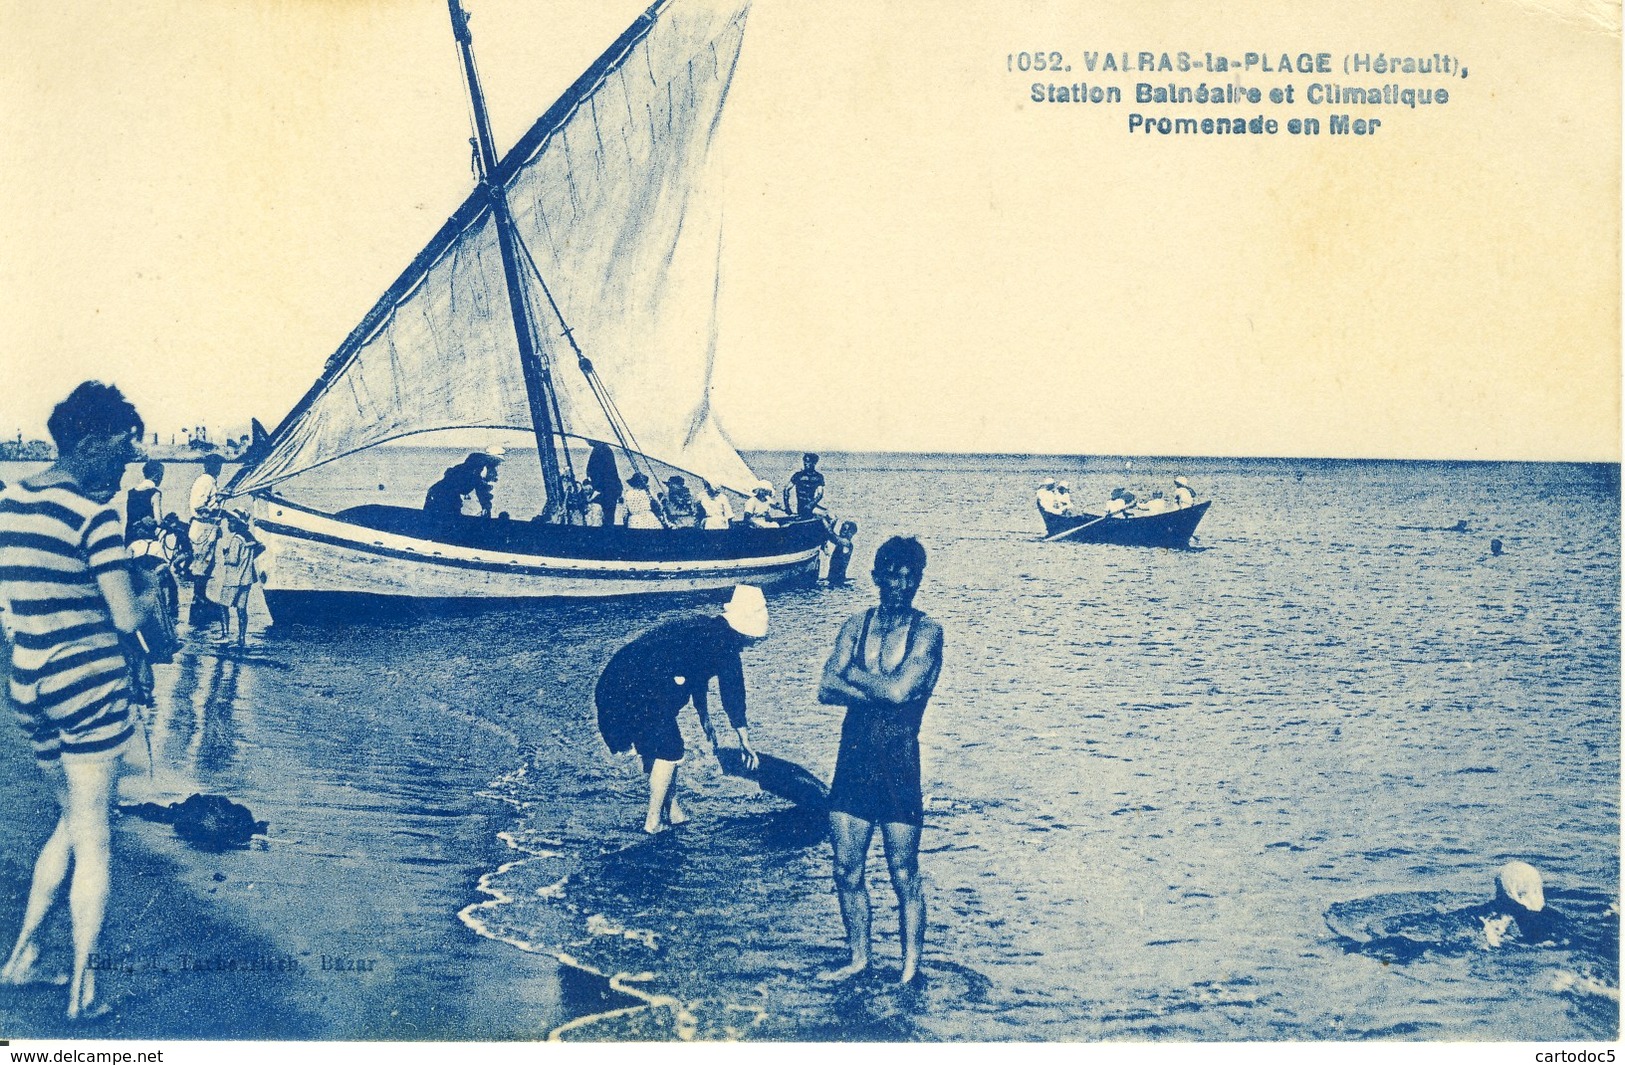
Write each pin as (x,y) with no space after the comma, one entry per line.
(201,200)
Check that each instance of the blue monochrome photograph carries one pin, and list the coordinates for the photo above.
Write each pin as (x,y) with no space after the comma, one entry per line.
(778,522)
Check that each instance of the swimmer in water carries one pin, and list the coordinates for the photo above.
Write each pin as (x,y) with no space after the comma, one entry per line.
(1520,898)
(1517,914)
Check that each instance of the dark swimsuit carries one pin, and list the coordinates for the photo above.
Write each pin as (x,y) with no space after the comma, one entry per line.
(877,772)
(138,508)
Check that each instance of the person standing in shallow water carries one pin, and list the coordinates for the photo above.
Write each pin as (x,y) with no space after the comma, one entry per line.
(144,502)
(71,615)
(233,575)
(841,554)
(648,682)
(883,670)
(203,531)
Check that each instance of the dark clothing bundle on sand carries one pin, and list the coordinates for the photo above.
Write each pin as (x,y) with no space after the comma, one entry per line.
(776,776)
(211,822)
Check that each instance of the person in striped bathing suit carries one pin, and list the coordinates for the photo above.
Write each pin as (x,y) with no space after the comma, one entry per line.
(70,607)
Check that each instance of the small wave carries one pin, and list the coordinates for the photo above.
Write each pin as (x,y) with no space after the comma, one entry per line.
(684,1025)
(1388,852)
(1585,983)
(957,804)
(599,925)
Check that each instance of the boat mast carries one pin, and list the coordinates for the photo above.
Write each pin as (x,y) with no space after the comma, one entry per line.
(538,378)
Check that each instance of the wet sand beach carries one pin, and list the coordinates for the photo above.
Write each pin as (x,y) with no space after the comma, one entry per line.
(340,923)
(154,922)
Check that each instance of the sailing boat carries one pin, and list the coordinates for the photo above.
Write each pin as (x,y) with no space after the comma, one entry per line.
(572,297)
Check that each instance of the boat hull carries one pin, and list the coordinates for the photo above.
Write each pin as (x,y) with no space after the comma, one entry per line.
(1171,528)
(387,561)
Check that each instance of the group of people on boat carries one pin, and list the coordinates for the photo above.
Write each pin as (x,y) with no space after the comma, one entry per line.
(601,498)
(1055,497)
(674,506)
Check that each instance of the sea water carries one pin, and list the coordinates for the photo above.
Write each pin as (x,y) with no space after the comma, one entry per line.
(1151,775)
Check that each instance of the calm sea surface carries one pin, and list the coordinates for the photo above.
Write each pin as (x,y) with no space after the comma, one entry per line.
(1150,774)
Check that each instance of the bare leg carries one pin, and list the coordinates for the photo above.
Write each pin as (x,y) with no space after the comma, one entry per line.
(849,837)
(902,843)
(90,794)
(662,784)
(198,614)
(50,869)
(242,626)
(674,812)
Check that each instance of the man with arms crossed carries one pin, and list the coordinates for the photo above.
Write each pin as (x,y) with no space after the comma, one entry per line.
(70,607)
(883,669)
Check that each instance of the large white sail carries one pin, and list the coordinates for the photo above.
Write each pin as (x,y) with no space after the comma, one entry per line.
(619,211)
(616,212)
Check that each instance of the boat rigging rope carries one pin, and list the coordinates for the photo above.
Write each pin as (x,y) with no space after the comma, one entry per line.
(547,377)
(460,32)
(612,414)
(484,162)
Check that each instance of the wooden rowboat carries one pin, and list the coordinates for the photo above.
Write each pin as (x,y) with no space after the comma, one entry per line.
(1168,528)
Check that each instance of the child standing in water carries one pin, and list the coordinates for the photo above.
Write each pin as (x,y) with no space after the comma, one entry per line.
(842,554)
(233,575)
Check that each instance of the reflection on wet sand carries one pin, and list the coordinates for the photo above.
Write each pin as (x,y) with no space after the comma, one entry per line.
(196,725)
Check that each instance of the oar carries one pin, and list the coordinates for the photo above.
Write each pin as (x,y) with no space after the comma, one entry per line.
(1075,529)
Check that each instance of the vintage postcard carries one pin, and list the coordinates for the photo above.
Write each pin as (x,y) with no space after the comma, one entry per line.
(1023,521)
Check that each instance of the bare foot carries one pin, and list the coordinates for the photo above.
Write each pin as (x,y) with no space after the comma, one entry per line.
(678,817)
(19,968)
(654,828)
(82,1004)
(911,976)
(845,972)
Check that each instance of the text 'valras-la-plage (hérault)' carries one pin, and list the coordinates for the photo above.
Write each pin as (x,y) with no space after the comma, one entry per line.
(1263,93)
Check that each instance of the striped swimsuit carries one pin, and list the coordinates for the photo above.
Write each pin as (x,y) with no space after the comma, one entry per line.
(68,673)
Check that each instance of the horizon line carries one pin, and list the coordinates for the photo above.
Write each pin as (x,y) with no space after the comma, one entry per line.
(1038,454)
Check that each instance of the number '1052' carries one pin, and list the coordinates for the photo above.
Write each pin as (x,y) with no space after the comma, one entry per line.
(1034,61)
